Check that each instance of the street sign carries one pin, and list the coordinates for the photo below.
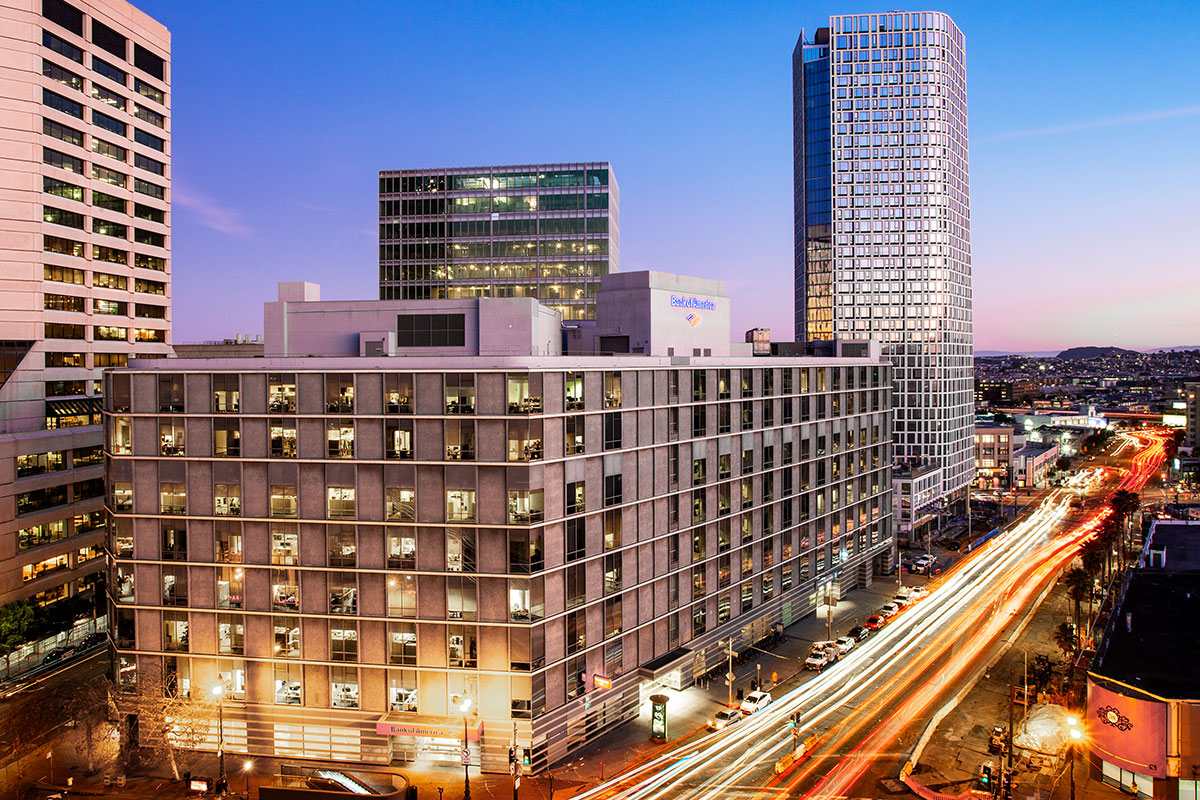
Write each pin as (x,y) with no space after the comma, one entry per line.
(516,783)
(466,756)
(729,676)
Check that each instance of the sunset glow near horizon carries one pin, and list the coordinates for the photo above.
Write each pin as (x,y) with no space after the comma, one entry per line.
(1082,172)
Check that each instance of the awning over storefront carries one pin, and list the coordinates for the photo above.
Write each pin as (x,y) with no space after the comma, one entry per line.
(661,666)
(430,727)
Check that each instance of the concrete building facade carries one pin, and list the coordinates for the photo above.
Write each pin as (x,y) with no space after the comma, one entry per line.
(85,281)
(353,542)
(993,456)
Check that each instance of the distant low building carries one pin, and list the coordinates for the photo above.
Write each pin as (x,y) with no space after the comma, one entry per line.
(243,345)
(1032,465)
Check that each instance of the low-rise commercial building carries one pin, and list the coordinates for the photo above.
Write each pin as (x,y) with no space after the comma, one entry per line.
(1143,718)
(993,456)
(1032,464)
(414,522)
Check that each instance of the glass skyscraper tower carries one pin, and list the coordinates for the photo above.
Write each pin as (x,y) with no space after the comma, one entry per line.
(882,224)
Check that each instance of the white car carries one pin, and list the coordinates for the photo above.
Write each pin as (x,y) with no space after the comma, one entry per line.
(754,701)
(918,593)
(724,718)
(845,644)
(824,644)
(889,610)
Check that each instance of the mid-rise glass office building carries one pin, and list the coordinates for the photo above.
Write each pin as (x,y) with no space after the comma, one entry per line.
(548,231)
(882,219)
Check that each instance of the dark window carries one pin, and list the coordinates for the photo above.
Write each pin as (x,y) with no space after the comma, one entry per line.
(60,103)
(148,62)
(431,330)
(147,212)
(108,123)
(141,137)
(109,71)
(102,200)
(612,431)
(109,39)
(65,14)
(149,237)
(58,131)
(62,48)
(60,217)
(11,353)
(149,164)
(147,188)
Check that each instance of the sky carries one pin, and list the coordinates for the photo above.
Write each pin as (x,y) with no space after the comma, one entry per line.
(1083,127)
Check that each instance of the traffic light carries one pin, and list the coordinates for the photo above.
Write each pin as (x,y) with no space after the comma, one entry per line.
(512,756)
(985,775)
(523,752)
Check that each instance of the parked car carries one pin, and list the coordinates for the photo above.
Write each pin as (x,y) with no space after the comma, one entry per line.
(845,644)
(724,718)
(818,660)
(755,701)
(889,610)
(859,632)
(58,654)
(93,640)
(875,622)
(824,644)
(902,601)
(918,593)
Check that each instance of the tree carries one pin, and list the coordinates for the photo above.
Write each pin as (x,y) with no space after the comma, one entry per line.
(1079,586)
(89,702)
(17,620)
(169,722)
(1064,637)
(1124,503)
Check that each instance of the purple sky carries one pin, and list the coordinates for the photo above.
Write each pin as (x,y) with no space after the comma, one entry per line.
(1084,170)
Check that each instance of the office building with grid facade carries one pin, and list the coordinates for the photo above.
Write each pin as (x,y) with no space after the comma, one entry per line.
(356,538)
(547,231)
(85,281)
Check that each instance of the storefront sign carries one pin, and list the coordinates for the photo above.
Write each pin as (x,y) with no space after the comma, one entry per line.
(1127,731)
(449,730)
(601,682)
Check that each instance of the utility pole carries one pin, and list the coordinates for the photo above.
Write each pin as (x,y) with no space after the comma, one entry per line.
(1008,768)
(466,759)
(829,614)
(729,674)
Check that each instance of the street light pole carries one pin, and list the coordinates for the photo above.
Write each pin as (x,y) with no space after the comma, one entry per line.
(466,763)
(219,693)
(729,674)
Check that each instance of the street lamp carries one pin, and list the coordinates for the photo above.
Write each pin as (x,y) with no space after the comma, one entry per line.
(1074,735)
(247,765)
(219,693)
(464,704)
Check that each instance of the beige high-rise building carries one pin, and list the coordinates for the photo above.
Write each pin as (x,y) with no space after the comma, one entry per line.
(84,266)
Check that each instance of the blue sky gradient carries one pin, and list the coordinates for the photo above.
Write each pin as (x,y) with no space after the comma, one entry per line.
(1084,123)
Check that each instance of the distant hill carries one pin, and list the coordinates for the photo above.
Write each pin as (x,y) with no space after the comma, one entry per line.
(1076,353)
(1030,353)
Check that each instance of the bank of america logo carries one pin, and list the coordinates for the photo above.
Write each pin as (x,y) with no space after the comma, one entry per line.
(693,319)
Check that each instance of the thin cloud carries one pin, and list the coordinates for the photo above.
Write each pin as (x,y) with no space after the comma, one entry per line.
(209,213)
(1107,122)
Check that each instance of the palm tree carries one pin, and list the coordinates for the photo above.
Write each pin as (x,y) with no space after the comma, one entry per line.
(1109,534)
(1124,503)
(1064,637)
(1079,586)
(1091,555)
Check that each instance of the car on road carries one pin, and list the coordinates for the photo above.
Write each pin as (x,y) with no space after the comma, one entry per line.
(818,660)
(93,640)
(755,701)
(58,654)
(845,644)
(724,718)
(889,610)
(902,600)
(875,622)
(917,593)
(859,632)
(823,644)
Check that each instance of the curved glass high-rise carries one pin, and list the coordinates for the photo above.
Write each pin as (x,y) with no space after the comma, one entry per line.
(883,230)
